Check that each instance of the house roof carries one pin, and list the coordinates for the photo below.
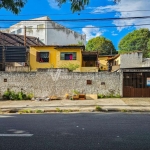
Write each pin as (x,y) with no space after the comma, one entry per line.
(89,53)
(116,56)
(7,39)
(106,55)
(60,46)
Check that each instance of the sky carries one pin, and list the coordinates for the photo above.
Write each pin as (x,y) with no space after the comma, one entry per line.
(113,29)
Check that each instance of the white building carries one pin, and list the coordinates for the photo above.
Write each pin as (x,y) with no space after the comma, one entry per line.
(49,32)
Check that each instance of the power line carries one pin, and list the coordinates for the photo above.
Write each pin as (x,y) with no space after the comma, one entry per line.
(87,27)
(89,19)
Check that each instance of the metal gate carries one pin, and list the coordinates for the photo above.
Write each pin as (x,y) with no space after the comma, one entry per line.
(136,84)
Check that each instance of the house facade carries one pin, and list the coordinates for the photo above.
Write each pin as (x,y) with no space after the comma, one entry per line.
(103,61)
(61,57)
(48,31)
(136,73)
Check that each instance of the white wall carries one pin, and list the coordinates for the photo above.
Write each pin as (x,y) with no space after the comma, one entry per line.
(62,35)
(48,36)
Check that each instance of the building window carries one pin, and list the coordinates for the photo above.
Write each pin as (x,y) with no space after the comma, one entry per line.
(19,31)
(42,57)
(29,29)
(68,56)
(40,26)
(13,32)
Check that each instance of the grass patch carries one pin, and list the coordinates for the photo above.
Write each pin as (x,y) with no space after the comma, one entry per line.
(108,96)
(58,110)
(39,111)
(124,110)
(98,108)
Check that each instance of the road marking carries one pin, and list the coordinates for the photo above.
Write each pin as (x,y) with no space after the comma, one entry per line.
(15,135)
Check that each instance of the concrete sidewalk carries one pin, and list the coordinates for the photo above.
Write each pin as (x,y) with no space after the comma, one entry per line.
(110,104)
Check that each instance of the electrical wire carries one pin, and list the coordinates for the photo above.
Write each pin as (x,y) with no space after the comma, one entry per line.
(86,27)
(83,19)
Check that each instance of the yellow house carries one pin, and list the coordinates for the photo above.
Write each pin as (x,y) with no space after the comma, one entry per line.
(114,63)
(55,56)
(103,61)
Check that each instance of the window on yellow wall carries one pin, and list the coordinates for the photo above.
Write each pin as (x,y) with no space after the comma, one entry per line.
(42,57)
(68,56)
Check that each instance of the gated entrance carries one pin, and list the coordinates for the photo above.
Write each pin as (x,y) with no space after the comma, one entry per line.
(136,84)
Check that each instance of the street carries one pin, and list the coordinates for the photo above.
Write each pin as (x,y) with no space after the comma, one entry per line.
(75,131)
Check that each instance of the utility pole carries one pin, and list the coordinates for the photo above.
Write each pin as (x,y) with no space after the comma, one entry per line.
(25,42)
(3,54)
(24,35)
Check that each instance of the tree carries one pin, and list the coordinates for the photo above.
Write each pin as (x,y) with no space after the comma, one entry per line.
(76,5)
(16,5)
(101,44)
(13,5)
(138,40)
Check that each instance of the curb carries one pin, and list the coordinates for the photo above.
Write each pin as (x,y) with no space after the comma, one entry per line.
(60,110)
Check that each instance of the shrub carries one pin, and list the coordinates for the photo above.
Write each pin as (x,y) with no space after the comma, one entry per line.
(30,96)
(108,96)
(101,96)
(11,95)
(98,108)
(39,111)
(70,66)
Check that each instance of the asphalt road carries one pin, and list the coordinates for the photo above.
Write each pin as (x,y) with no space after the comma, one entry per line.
(86,131)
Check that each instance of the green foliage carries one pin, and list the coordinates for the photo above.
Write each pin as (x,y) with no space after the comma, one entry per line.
(138,40)
(111,95)
(76,5)
(75,92)
(80,43)
(39,111)
(58,110)
(13,5)
(70,66)
(98,108)
(102,45)
(11,95)
(124,110)
(101,96)
(30,96)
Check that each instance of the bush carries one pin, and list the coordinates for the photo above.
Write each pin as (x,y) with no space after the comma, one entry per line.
(98,108)
(11,95)
(108,96)
(70,66)
(101,96)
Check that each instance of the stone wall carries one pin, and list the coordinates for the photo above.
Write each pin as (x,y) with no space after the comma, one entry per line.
(58,82)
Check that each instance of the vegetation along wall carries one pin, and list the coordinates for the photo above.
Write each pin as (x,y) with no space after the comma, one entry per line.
(58,82)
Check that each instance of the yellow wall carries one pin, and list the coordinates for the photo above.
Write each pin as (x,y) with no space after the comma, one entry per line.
(118,59)
(78,60)
(89,69)
(54,57)
(103,62)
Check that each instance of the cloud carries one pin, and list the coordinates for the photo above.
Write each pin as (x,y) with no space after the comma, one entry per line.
(91,32)
(53,4)
(113,33)
(128,8)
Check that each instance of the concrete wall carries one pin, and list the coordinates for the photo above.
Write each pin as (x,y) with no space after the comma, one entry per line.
(146,62)
(58,82)
(131,60)
(62,36)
